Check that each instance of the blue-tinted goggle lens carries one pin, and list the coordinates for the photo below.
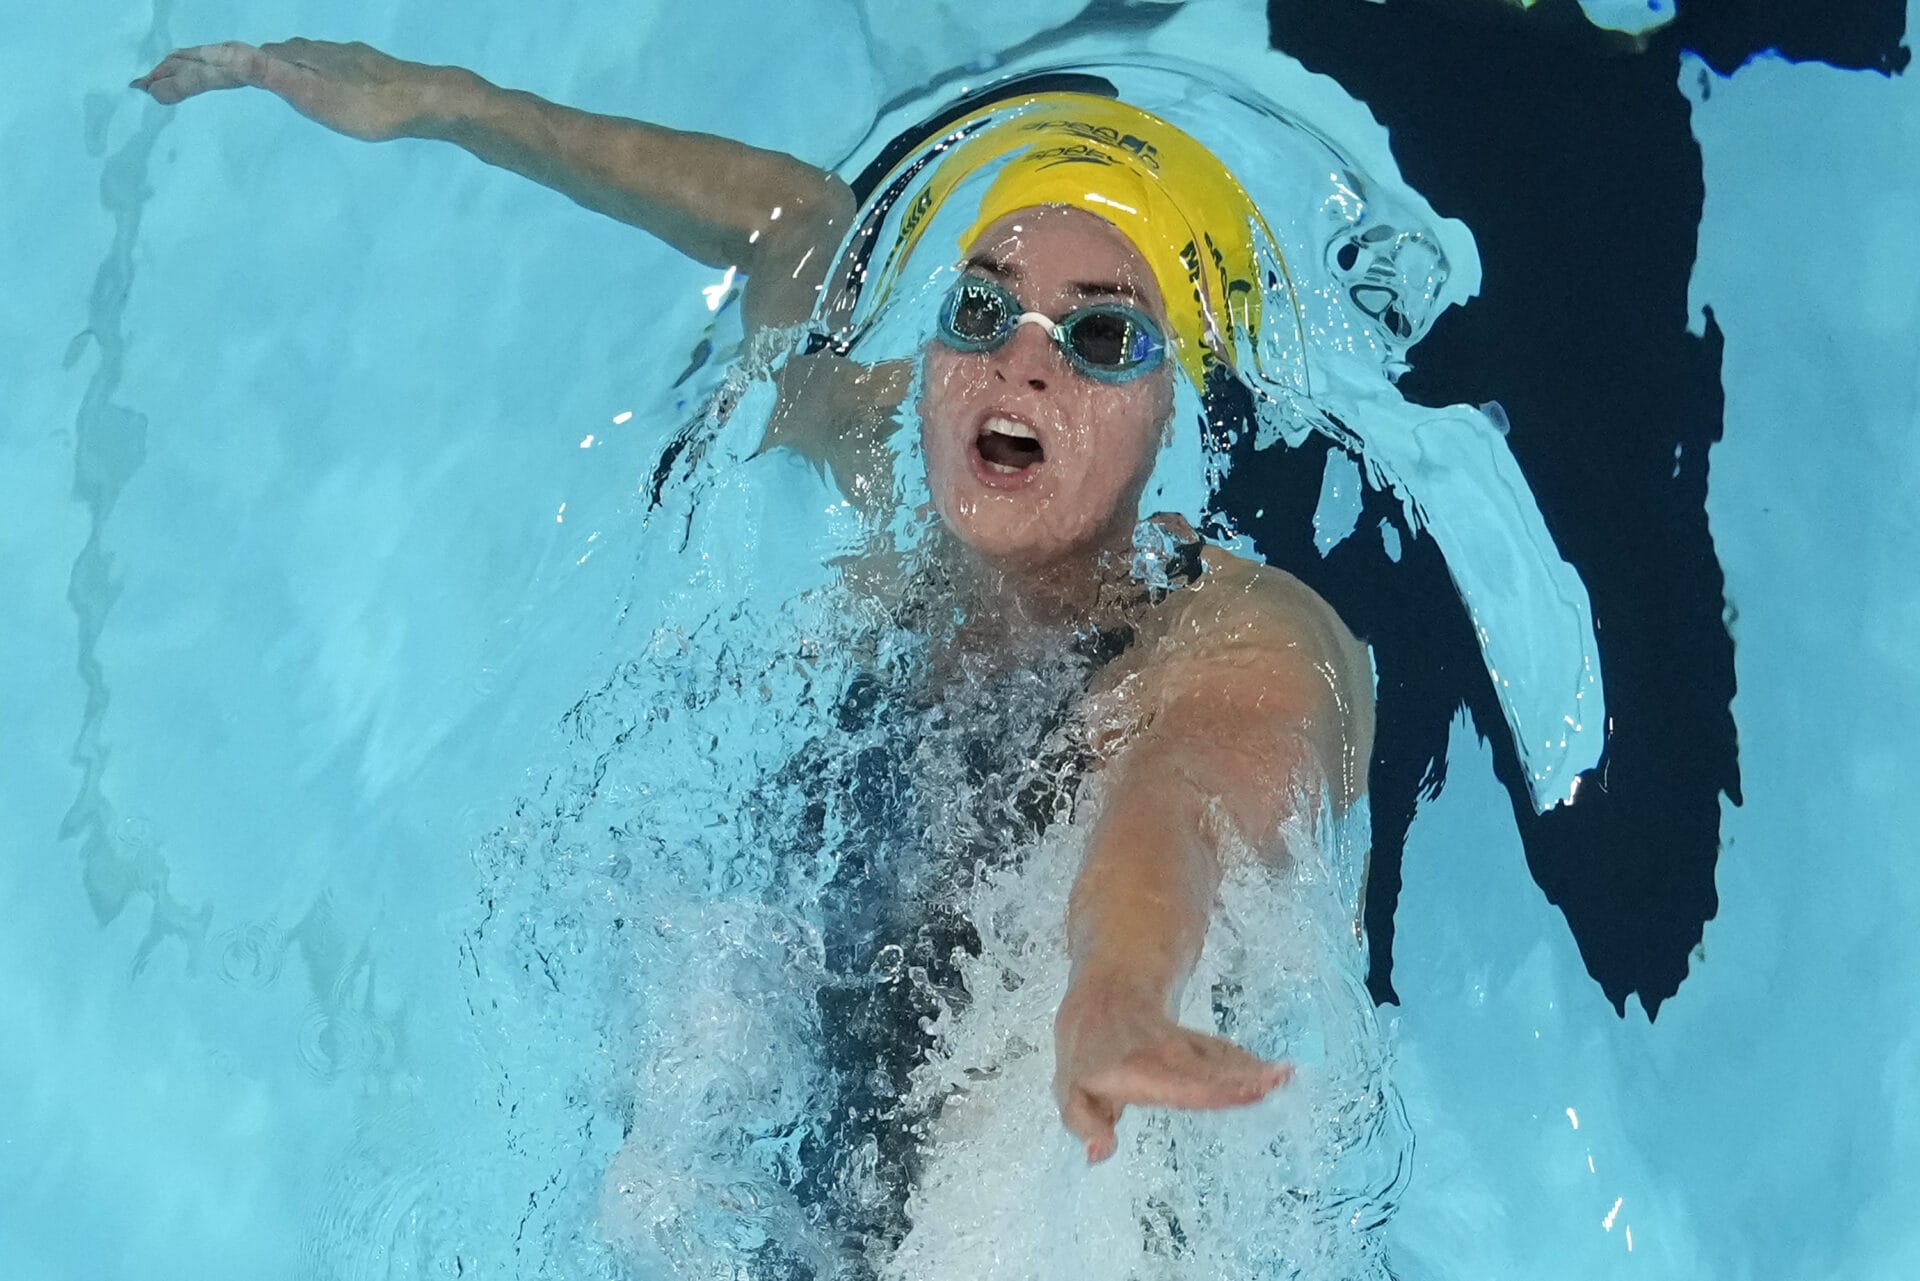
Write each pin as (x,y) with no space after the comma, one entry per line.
(1108,341)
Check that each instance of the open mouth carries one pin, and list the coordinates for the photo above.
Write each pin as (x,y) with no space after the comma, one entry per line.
(1008,447)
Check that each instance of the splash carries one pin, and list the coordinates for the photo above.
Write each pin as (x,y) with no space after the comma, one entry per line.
(777,946)
(1295,1187)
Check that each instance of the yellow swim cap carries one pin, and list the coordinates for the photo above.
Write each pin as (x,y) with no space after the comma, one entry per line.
(1186,214)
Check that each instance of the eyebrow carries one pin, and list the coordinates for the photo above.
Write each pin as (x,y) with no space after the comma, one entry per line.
(1099,288)
(992,266)
(1004,270)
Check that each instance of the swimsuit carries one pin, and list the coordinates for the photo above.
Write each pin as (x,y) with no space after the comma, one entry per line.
(916,797)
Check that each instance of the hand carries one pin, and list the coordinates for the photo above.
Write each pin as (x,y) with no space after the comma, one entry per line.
(351,88)
(1114,1048)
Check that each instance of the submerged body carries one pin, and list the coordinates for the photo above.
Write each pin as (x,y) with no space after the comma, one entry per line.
(1246,690)
(897,1050)
(1237,704)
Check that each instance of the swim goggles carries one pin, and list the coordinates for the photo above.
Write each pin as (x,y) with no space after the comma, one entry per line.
(1108,342)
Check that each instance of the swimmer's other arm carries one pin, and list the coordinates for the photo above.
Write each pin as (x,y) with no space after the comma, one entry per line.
(720,202)
(1248,706)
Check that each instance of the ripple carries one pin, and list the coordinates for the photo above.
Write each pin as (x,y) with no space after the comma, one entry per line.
(249,955)
(334,1040)
(386,1224)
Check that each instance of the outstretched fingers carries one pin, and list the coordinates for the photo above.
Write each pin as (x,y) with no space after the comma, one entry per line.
(1189,1070)
(186,72)
(1185,1069)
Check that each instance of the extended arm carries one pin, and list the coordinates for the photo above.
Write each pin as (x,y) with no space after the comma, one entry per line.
(721,202)
(1256,697)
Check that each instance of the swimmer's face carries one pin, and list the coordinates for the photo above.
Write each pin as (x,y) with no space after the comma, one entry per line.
(1075,486)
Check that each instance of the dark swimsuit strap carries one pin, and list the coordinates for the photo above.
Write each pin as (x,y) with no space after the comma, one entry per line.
(1102,645)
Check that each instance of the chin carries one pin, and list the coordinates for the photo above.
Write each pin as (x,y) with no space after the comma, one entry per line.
(1015,540)
(1023,521)
(1003,548)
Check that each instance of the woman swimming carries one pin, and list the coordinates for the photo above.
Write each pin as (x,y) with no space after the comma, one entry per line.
(1044,396)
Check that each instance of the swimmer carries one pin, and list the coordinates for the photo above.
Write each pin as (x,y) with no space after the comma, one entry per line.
(1047,389)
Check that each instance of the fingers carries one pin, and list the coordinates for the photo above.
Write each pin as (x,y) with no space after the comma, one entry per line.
(1189,1070)
(1092,1121)
(186,72)
(1184,1070)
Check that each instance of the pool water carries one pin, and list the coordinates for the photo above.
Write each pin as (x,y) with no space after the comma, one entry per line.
(336,593)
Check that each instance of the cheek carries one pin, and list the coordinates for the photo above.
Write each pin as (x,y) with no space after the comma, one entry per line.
(1136,418)
(943,390)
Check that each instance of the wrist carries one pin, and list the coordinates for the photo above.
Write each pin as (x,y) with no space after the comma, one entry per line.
(444,101)
(1132,942)
(1128,980)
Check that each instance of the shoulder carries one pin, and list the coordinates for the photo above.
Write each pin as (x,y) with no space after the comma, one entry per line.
(1236,590)
(1253,647)
(1239,604)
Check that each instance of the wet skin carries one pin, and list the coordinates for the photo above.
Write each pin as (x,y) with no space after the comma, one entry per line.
(1097,440)
(1246,686)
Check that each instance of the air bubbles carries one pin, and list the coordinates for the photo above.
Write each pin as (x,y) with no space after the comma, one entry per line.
(808,931)
(888,962)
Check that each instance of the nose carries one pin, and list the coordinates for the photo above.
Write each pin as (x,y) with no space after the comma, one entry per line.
(1028,356)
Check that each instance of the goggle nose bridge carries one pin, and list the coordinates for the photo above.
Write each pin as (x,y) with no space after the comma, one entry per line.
(1048,326)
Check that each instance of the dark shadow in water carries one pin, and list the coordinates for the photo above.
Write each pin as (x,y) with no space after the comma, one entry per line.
(1568,152)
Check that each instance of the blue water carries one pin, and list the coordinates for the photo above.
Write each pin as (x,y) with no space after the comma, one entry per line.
(270,746)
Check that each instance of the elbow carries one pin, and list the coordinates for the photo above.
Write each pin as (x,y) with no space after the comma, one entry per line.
(830,202)
(801,224)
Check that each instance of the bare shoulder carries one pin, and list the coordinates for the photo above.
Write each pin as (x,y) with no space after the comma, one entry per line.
(1252,650)
(1240,603)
